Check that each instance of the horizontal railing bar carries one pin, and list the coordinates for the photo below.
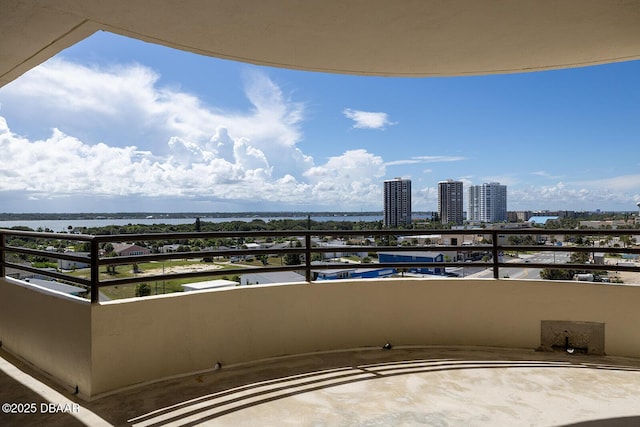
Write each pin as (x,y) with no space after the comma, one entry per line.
(588,249)
(597,267)
(196,274)
(70,256)
(363,233)
(488,264)
(47,235)
(103,238)
(136,259)
(310,245)
(61,276)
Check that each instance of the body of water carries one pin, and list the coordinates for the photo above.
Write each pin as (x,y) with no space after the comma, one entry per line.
(62,225)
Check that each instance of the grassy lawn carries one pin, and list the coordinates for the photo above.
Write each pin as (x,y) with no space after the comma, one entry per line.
(271,261)
(161,286)
(167,285)
(157,287)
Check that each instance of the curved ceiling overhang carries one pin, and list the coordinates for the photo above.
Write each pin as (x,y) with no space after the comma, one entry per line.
(412,38)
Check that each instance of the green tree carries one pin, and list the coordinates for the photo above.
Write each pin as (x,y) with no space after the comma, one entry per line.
(143,290)
(292,259)
(626,240)
(556,274)
(579,257)
(514,240)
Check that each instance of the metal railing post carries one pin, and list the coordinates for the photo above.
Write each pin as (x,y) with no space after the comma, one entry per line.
(2,255)
(307,256)
(496,269)
(95,272)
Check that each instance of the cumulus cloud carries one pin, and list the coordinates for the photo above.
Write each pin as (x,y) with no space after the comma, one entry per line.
(127,105)
(171,145)
(618,183)
(354,172)
(573,196)
(368,119)
(63,166)
(116,133)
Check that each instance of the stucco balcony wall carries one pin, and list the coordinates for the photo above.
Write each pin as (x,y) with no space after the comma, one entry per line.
(140,340)
(50,330)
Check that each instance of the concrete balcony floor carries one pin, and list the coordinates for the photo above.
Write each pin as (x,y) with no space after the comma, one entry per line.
(434,386)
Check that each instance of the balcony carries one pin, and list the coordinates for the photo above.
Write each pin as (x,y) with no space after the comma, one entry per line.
(264,339)
(462,349)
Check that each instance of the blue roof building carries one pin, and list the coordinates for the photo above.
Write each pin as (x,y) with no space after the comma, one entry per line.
(417,257)
(542,220)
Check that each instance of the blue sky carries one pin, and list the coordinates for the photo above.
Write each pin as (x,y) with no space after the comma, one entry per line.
(114,124)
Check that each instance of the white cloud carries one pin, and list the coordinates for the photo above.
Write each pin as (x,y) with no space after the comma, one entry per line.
(617,183)
(545,174)
(425,159)
(438,159)
(355,172)
(402,162)
(573,196)
(367,119)
(126,105)
(63,166)
(425,199)
(116,134)
(221,168)
(169,144)
(507,180)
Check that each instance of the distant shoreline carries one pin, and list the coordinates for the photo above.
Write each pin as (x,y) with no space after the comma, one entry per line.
(171,215)
(82,224)
(33,216)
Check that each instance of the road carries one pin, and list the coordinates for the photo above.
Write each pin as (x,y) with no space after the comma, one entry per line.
(522,272)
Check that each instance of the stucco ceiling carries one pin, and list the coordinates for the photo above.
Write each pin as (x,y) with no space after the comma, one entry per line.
(368,37)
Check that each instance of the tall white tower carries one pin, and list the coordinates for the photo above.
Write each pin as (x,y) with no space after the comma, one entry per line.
(487,202)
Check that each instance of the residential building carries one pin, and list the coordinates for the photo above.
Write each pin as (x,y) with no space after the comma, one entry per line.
(352,273)
(129,249)
(265,278)
(522,216)
(417,257)
(397,202)
(450,207)
(65,264)
(487,202)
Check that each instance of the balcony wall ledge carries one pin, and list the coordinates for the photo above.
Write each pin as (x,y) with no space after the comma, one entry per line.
(146,339)
(117,345)
(49,330)
(41,289)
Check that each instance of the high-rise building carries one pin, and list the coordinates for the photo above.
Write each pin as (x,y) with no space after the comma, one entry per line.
(450,206)
(397,202)
(488,202)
